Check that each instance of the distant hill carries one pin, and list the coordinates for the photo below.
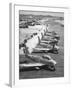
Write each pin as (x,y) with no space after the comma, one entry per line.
(30,17)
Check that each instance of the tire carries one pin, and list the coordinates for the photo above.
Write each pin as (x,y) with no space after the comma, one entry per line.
(50,67)
(37,68)
(55,51)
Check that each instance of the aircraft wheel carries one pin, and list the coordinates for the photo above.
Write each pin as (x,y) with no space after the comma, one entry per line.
(37,68)
(52,68)
(55,51)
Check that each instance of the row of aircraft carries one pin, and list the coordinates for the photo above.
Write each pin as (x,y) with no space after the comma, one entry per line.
(35,45)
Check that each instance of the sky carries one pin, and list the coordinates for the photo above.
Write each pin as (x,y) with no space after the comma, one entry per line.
(60,14)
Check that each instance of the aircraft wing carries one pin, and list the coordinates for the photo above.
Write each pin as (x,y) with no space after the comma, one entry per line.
(31,64)
(41,49)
